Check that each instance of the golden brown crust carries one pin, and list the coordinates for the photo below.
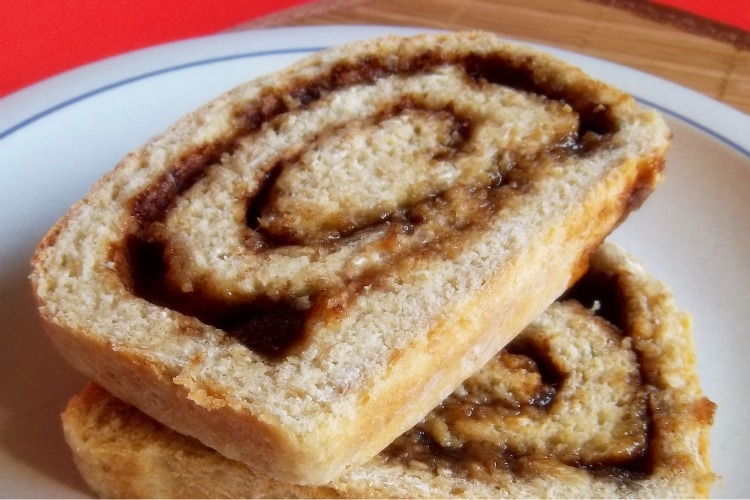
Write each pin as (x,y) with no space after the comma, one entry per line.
(598,397)
(168,283)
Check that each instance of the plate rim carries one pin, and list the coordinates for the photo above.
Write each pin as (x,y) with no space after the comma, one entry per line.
(703,108)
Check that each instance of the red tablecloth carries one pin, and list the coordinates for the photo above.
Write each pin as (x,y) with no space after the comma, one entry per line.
(732,12)
(40,38)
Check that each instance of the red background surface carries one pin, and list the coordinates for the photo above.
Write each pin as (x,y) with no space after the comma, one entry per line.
(732,12)
(40,38)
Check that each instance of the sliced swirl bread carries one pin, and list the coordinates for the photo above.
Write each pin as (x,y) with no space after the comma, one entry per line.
(298,271)
(596,398)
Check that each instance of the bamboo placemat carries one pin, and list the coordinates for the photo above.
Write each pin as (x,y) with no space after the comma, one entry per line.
(710,58)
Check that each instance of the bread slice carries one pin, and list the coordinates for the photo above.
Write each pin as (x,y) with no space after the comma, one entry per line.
(596,398)
(298,271)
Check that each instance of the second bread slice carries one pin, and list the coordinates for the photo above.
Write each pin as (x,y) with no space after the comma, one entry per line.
(298,271)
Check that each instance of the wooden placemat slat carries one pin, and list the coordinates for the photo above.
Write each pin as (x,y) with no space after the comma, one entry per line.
(713,67)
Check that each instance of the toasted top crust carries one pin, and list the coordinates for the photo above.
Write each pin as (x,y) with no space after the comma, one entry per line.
(596,398)
(305,264)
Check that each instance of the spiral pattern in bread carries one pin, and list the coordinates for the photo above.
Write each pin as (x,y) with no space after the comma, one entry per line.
(308,263)
(328,182)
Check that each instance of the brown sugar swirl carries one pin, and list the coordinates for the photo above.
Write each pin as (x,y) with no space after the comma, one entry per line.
(588,411)
(321,185)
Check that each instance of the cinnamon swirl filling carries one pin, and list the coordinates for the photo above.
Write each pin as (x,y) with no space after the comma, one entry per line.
(326,182)
(570,391)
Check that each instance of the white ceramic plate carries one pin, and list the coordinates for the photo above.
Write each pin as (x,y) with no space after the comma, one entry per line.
(59,136)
